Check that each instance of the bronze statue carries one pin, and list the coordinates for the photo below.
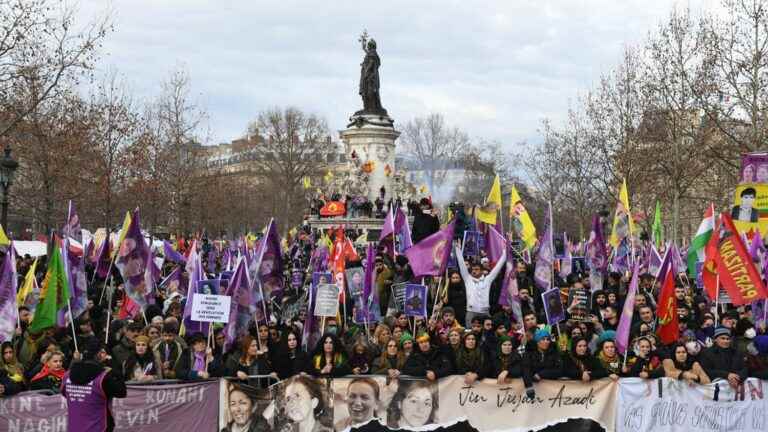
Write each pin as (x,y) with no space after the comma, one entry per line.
(369,78)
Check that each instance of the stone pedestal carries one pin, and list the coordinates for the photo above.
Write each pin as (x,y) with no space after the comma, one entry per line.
(372,137)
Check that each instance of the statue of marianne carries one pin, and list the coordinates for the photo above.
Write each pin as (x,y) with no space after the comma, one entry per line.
(369,78)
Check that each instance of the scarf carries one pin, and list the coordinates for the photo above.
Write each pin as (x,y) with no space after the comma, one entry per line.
(199,362)
(471,359)
(15,373)
(610,364)
(46,371)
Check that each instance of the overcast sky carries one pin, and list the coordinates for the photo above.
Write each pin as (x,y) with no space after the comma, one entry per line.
(494,69)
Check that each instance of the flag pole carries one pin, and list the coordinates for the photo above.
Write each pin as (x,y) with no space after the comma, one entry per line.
(109,314)
(72,324)
(109,272)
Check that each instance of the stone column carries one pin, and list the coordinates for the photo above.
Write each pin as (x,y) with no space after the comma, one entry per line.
(372,138)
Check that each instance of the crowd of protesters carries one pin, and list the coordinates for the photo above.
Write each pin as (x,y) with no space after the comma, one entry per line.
(467,332)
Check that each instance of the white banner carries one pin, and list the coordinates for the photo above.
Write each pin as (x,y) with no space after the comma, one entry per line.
(667,405)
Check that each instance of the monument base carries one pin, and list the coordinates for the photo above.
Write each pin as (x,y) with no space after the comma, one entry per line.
(372,138)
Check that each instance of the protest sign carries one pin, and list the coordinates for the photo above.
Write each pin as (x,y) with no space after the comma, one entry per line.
(667,405)
(471,244)
(578,304)
(169,408)
(211,308)
(415,300)
(553,306)
(327,300)
(397,299)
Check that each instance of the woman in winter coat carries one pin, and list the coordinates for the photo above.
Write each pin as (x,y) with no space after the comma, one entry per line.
(580,364)
(470,360)
(140,364)
(293,359)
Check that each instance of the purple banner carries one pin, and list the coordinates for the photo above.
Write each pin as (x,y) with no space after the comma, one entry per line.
(169,408)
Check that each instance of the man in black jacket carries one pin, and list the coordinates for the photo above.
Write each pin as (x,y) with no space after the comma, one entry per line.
(427,361)
(425,221)
(544,362)
(722,360)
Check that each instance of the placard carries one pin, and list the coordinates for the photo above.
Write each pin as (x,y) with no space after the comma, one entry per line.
(211,308)
(415,300)
(580,310)
(397,299)
(327,300)
(553,306)
(471,244)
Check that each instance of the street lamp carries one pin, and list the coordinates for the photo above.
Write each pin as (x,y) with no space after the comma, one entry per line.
(7,170)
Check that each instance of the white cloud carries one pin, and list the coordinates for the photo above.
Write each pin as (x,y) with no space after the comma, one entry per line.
(495,69)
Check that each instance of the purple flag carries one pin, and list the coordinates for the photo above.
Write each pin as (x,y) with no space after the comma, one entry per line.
(625,322)
(194,270)
(9,313)
(654,260)
(239,308)
(402,231)
(760,312)
(566,264)
(389,225)
(597,257)
(495,244)
(319,259)
(73,255)
(171,254)
(429,257)
(133,260)
(756,248)
(212,260)
(269,262)
(172,282)
(668,262)
(509,292)
(621,257)
(103,260)
(370,311)
(545,257)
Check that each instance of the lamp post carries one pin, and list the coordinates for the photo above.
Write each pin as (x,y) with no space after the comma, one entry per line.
(7,170)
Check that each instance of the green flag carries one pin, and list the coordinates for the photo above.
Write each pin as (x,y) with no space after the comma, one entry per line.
(657,230)
(53,293)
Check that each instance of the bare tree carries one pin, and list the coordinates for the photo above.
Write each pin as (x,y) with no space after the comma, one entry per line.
(173,160)
(434,146)
(115,127)
(41,48)
(736,102)
(292,145)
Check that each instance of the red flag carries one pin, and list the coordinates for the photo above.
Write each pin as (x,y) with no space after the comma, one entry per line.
(709,269)
(668,329)
(734,265)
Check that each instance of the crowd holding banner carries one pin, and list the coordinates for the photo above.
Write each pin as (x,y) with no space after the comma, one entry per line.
(454,309)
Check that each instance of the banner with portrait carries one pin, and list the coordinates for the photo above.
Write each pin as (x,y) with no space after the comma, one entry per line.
(346,404)
(667,405)
(750,198)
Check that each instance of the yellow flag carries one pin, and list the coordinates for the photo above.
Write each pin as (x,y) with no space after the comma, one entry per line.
(623,225)
(307,182)
(4,241)
(123,232)
(487,213)
(522,220)
(28,285)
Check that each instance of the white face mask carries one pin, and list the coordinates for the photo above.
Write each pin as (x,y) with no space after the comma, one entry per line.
(750,333)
